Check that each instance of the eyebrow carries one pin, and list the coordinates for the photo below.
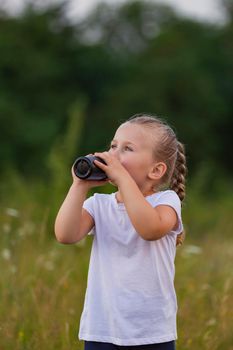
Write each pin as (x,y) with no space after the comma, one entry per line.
(124,142)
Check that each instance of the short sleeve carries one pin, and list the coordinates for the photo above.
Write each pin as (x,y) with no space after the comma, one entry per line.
(171,199)
(88,205)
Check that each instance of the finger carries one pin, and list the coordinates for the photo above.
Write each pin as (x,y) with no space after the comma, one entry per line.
(100,164)
(103,155)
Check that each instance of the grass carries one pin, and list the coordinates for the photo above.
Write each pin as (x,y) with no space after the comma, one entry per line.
(204,284)
(42,283)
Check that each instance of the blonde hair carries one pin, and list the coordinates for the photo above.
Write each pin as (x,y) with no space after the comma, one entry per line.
(169,150)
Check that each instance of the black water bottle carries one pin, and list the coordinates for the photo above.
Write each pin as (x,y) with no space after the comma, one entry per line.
(85,168)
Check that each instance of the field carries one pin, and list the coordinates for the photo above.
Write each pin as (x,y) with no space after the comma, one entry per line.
(42,283)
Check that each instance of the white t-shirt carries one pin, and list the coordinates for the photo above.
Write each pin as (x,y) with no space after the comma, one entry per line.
(130,297)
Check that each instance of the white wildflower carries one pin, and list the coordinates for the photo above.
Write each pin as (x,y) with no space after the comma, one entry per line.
(192,250)
(211,322)
(6,254)
(12,212)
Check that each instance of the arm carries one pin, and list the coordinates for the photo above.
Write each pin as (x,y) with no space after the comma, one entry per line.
(73,222)
(150,223)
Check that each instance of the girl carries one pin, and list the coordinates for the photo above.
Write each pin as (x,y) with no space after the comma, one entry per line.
(130,300)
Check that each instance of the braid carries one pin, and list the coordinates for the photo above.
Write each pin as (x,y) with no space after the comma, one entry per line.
(177,182)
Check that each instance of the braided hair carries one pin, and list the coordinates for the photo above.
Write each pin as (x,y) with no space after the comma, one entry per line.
(169,150)
(177,182)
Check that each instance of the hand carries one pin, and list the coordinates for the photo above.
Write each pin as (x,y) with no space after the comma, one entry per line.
(113,168)
(86,183)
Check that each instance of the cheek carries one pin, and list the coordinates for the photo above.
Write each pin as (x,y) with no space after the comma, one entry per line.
(127,164)
(131,164)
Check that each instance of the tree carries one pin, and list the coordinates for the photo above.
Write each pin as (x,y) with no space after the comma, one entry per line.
(124,59)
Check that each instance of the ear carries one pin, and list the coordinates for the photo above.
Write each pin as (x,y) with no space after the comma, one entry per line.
(157,171)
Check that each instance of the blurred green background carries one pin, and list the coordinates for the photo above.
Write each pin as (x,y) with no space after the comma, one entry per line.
(64,88)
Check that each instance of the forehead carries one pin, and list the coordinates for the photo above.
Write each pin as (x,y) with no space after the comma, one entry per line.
(134,133)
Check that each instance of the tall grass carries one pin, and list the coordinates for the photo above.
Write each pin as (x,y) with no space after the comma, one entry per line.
(42,283)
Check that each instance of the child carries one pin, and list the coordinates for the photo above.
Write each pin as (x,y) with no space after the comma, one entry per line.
(130,301)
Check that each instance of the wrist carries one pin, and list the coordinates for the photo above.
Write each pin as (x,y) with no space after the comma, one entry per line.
(125,181)
(80,186)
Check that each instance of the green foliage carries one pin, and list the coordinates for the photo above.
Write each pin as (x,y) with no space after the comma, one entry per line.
(176,77)
(66,148)
(125,29)
(125,59)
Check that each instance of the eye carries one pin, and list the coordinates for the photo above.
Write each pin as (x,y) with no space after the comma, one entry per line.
(127,148)
(112,146)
